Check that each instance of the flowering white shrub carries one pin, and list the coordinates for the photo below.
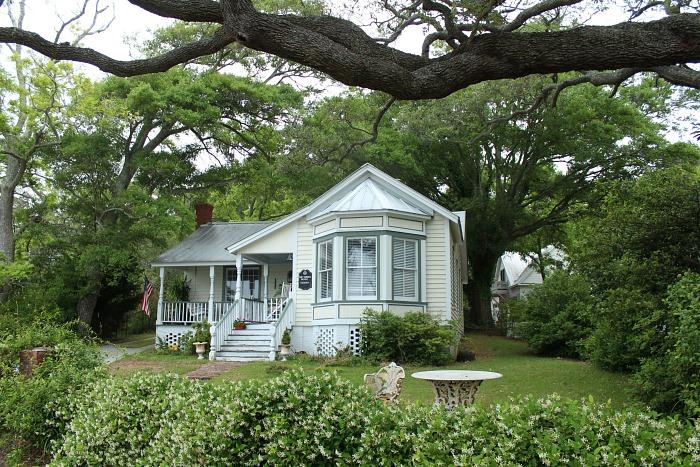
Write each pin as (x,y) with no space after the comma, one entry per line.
(319,419)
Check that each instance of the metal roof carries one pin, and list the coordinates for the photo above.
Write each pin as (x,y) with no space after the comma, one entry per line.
(369,196)
(208,243)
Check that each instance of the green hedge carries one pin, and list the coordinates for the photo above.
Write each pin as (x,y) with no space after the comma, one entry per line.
(319,419)
(415,337)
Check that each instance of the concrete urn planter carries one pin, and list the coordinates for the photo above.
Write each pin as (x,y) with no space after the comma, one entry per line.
(284,351)
(200,348)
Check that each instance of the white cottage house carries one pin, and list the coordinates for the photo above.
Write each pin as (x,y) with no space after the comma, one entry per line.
(368,242)
(515,276)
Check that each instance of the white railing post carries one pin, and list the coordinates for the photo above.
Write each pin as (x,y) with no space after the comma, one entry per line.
(239,273)
(212,342)
(159,312)
(210,314)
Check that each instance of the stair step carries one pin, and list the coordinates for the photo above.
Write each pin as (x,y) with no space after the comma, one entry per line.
(239,338)
(242,359)
(252,354)
(251,332)
(245,348)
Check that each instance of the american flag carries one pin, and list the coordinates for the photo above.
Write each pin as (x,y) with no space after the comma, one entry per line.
(147,291)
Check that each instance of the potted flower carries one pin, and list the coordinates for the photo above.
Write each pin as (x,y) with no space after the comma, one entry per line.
(239,325)
(284,346)
(200,348)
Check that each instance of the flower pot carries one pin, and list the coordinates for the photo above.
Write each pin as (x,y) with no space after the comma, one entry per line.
(200,347)
(239,326)
(284,351)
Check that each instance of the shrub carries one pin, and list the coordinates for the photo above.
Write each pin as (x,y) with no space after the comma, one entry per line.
(303,419)
(620,339)
(670,381)
(555,316)
(415,337)
(200,333)
(30,407)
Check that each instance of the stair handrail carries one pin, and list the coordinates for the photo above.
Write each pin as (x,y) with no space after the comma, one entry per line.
(284,321)
(222,327)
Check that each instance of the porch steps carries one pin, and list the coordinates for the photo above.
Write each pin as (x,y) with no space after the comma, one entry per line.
(246,345)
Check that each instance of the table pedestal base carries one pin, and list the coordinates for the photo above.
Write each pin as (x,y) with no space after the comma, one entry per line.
(454,393)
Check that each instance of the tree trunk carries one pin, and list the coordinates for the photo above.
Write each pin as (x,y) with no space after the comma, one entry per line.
(7,234)
(478,291)
(88,301)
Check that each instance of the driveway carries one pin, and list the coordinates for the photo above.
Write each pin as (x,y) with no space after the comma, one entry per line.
(112,353)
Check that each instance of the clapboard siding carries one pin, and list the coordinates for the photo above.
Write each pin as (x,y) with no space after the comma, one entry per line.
(199,282)
(304,298)
(436,287)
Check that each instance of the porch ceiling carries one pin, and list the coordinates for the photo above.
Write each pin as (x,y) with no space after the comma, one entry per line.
(270,258)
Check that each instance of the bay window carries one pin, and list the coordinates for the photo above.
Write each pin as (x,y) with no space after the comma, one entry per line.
(361,267)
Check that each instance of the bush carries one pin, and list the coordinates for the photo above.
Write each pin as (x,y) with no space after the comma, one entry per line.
(302,419)
(415,337)
(670,381)
(621,336)
(555,317)
(30,407)
(200,333)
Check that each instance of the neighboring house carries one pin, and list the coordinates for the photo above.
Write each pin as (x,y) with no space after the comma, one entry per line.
(368,242)
(515,276)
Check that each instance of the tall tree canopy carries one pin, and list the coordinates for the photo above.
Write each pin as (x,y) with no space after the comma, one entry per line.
(467,42)
(526,176)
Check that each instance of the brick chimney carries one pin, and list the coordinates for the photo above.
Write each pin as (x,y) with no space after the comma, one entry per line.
(203,213)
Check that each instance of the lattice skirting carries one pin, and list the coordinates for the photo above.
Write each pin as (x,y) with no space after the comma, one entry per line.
(354,341)
(171,334)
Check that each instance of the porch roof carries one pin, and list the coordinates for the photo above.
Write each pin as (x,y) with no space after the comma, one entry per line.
(208,243)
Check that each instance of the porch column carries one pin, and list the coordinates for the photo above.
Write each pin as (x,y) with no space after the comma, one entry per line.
(266,271)
(210,316)
(239,272)
(159,313)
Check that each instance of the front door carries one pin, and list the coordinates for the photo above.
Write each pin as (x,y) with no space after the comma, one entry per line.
(250,283)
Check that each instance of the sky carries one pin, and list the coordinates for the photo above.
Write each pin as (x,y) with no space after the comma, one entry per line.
(131,22)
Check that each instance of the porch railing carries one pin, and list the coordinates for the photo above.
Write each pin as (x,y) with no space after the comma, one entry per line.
(185,312)
(223,327)
(285,320)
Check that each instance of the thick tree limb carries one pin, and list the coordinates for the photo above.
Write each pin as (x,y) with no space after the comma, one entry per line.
(345,52)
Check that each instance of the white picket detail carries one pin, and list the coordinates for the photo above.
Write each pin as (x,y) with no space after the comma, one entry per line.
(285,320)
(185,312)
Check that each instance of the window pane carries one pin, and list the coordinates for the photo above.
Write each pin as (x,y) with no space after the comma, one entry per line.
(410,256)
(369,252)
(369,281)
(354,282)
(354,252)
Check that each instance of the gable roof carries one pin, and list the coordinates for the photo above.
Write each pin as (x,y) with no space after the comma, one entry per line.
(208,243)
(396,192)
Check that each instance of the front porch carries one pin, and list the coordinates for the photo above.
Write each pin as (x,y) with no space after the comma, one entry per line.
(260,296)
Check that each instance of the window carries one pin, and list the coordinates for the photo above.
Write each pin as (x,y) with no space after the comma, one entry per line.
(503,275)
(405,269)
(325,270)
(230,276)
(361,266)
(250,282)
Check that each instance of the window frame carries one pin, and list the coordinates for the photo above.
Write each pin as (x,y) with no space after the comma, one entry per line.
(376,267)
(320,272)
(415,270)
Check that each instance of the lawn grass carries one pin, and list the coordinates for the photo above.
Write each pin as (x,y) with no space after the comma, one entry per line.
(150,360)
(136,340)
(523,373)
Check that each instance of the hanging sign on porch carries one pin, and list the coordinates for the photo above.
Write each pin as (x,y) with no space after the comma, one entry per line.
(304,279)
